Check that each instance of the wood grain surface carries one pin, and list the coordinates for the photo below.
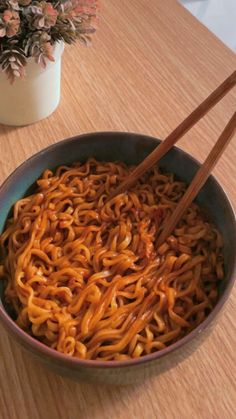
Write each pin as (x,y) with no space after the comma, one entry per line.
(150,64)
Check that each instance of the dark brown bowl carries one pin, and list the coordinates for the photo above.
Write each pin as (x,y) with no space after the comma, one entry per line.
(130,148)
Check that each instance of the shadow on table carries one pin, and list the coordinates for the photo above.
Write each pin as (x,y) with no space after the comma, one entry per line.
(69,399)
(94,400)
(7,129)
(48,395)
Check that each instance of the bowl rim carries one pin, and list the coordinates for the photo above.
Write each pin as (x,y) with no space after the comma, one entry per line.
(38,347)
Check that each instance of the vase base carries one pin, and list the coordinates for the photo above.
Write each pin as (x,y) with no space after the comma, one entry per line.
(15,122)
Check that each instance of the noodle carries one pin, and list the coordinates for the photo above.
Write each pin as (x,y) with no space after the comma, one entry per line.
(84,275)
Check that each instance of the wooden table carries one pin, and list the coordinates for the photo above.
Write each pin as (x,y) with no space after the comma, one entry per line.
(150,64)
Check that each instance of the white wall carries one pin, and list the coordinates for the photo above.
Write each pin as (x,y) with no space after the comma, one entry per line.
(218,15)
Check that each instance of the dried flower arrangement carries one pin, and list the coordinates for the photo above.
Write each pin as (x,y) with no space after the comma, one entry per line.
(30,28)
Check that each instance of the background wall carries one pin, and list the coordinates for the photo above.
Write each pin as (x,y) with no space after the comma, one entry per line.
(218,15)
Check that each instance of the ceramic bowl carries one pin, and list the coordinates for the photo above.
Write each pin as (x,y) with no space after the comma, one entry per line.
(130,148)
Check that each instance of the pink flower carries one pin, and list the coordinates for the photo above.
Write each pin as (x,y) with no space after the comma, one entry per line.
(43,15)
(10,23)
(87,7)
(50,14)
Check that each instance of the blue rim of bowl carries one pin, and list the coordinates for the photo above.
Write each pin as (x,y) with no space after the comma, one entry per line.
(67,360)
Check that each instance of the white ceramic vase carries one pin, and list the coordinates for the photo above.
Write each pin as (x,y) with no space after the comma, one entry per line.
(35,96)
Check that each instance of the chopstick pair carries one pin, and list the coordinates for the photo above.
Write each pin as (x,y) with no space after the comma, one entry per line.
(206,168)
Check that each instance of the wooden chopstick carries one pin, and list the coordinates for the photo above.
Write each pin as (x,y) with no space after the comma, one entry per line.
(199,179)
(175,135)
